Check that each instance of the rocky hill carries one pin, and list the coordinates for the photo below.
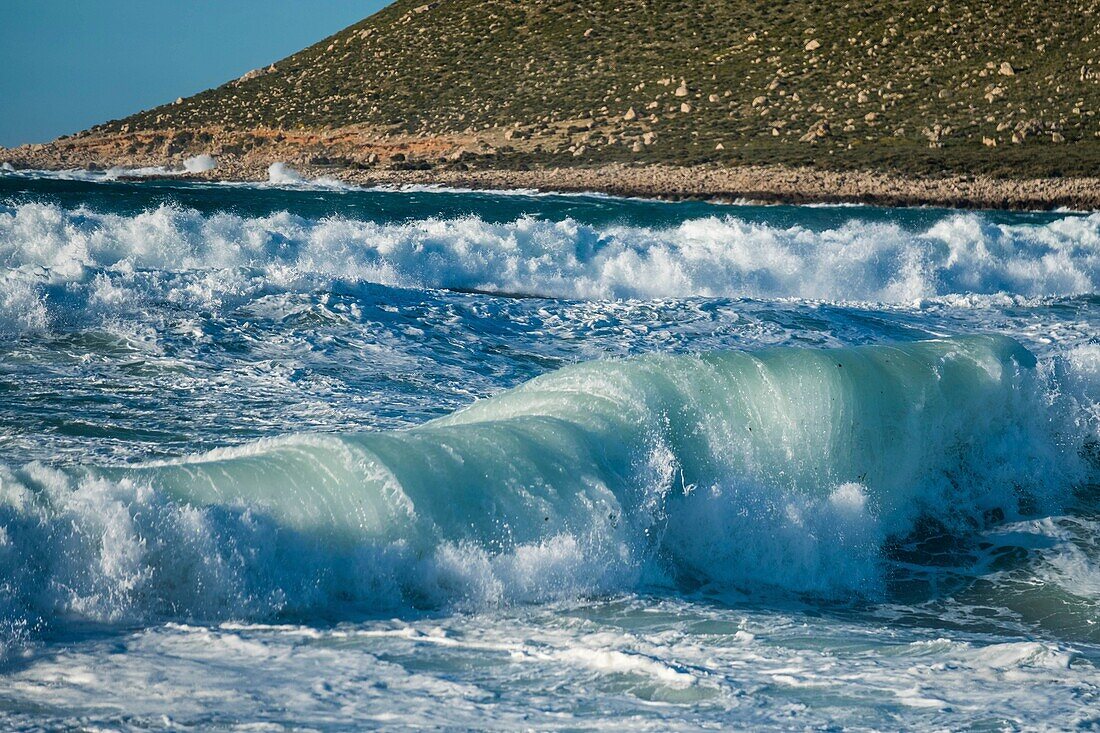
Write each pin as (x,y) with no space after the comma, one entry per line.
(916,87)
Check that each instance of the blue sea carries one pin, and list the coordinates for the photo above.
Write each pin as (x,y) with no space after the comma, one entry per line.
(305,456)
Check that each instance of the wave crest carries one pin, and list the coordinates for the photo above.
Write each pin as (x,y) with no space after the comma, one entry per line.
(787,468)
(710,257)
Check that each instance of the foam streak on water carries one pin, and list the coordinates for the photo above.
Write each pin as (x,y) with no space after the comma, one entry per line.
(295,455)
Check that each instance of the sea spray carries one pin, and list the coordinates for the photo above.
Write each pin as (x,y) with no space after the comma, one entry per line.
(707,257)
(785,469)
(200,163)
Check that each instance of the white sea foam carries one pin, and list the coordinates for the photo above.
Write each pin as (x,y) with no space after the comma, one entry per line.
(963,254)
(195,164)
(786,469)
(681,670)
(22,307)
(70,174)
(593,521)
(116,172)
(440,188)
(520,192)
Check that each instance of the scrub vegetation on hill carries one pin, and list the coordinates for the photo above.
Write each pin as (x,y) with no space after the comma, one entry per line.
(1007,88)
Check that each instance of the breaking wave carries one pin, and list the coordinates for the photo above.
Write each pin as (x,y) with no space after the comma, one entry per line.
(786,468)
(710,257)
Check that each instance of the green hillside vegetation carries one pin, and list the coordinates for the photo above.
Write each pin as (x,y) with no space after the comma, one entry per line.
(1006,88)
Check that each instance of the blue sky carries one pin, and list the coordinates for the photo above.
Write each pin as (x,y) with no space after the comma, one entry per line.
(68,64)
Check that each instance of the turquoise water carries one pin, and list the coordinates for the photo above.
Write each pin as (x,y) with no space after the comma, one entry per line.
(307,456)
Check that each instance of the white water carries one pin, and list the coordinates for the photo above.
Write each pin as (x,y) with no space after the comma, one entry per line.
(787,469)
(705,257)
(200,163)
(761,670)
(243,475)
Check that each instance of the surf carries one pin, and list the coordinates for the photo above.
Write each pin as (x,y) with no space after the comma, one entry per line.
(45,247)
(785,468)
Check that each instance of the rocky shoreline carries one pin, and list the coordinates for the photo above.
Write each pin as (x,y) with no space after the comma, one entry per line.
(464,163)
(766,184)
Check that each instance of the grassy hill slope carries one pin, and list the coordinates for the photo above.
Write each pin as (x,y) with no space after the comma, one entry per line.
(1008,88)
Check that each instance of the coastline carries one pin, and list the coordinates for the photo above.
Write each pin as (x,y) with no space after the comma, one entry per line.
(755,184)
(436,163)
(759,184)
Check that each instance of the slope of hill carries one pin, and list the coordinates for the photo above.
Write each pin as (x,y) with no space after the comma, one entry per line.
(918,88)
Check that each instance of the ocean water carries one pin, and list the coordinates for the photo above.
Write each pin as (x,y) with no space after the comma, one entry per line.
(301,456)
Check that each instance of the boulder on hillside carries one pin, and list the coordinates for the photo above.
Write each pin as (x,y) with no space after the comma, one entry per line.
(817,131)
